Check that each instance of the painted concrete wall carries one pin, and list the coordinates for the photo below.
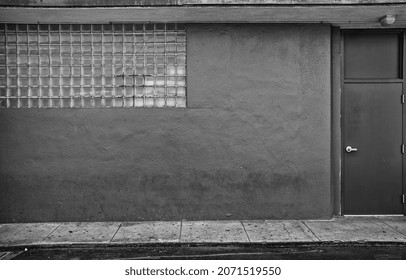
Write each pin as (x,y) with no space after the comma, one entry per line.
(253,144)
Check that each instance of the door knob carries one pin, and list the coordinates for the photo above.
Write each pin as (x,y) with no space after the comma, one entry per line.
(350,149)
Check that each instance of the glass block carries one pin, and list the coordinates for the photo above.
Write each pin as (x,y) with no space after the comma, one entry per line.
(55,60)
(65,50)
(160,81)
(13,102)
(22,50)
(139,49)
(149,81)
(181,92)
(170,81)
(181,37)
(11,38)
(97,102)
(3,81)
(97,61)
(117,49)
(22,60)
(43,38)
(159,91)
(43,60)
(139,91)
(149,91)
(149,102)
(138,102)
(23,91)
(33,92)
(65,38)
(97,27)
(118,102)
(33,103)
(119,91)
(66,81)
(150,70)
(66,91)
(98,90)
(139,28)
(12,59)
(171,91)
(23,103)
(54,38)
(22,38)
(160,60)
(87,102)
(181,81)
(181,102)
(75,38)
(65,103)
(32,38)
(55,81)
(3,92)
(76,103)
(12,71)
(139,38)
(12,81)
(12,49)
(55,102)
(108,102)
(118,81)
(45,92)
(97,38)
(128,28)
(55,91)
(23,82)
(118,38)
(86,39)
(128,102)
(86,28)
(128,70)
(86,50)
(128,91)
(170,70)
(150,48)
(129,48)
(98,80)
(2,50)
(97,49)
(76,91)
(87,81)
(87,60)
(76,71)
(2,59)
(45,71)
(107,28)
(128,38)
(118,69)
(76,60)
(76,81)
(108,91)
(149,60)
(170,48)
(170,38)
(66,60)
(118,27)
(117,59)
(139,81)
(139,71)
(108,81)
(75,27)
(160,102)
(170,26)
(45,103)
(12,92)
(170,59)
(55,71)
(149,27)
(170,102)
(181,70)
(65,71)
(159,48)
(107,48)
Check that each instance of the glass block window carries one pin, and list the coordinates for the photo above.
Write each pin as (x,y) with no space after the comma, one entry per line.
(92,65)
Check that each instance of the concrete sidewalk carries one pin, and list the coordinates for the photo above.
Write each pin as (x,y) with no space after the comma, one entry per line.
(339,229)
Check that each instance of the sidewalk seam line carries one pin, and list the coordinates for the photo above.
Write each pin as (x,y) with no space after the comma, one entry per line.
(115,233)
(249,240)
(180,231)
(50,233)
(311,231)
(394,228)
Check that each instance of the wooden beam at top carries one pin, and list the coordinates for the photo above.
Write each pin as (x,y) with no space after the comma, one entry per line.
(275,14)
(141,3)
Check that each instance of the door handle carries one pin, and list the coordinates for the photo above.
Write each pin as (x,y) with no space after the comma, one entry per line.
(350,149)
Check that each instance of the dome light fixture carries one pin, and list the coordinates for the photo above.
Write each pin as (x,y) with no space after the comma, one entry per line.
(387,20)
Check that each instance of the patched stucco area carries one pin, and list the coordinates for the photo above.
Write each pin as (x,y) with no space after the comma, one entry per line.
(253,144)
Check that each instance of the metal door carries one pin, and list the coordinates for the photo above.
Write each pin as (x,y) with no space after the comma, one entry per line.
(372,120)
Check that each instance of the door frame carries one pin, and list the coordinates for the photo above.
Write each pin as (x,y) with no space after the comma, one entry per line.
(402,79)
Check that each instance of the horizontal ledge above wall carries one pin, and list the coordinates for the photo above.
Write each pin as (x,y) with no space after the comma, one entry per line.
(141,3)
(276,14)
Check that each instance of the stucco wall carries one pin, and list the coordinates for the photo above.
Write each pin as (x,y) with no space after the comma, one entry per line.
(254,142)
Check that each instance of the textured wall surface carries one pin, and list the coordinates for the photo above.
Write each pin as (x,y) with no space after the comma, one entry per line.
(255,142)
